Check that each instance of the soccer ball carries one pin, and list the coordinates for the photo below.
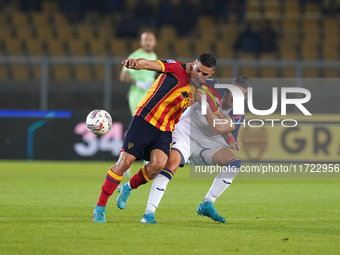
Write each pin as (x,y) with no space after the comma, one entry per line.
(99,122)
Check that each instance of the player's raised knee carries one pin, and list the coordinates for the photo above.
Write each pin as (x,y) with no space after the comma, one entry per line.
(154,168)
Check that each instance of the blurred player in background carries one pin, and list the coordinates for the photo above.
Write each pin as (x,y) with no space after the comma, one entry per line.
(150,132)
(196,137)
(142,80)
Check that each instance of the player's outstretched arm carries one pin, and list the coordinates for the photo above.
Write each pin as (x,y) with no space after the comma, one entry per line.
(126,77)
(142,63)
(217,121)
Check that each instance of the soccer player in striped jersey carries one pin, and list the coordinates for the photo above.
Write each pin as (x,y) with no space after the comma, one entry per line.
(196,137)
(149,135)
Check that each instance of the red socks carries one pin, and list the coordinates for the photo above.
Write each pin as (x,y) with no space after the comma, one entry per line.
(110,184)
(139,178)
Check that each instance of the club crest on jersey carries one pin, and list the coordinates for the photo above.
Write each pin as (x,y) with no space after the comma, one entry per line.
(130,145)
(170,61)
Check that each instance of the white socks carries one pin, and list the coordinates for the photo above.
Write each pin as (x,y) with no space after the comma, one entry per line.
(156,193)
(219,185)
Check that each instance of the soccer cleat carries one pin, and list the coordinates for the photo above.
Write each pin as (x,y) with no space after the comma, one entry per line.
(124,191)
(148,218)
(99,214)
(207,209)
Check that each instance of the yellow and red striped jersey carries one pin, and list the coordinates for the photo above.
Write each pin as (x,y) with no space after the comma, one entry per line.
(164,103)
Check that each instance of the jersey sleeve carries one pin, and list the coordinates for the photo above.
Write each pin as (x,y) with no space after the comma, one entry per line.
(171,66)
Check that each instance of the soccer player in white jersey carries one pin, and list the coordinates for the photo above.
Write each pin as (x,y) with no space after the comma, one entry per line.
(196,137)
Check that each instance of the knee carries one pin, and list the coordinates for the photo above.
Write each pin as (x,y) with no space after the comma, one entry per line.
(172,165)
(123,164)
(154,168)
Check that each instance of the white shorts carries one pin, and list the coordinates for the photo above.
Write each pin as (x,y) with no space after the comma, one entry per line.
(200,151)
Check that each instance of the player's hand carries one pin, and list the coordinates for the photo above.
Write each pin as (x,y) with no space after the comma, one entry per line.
(236,145)
(130,63)
(188,67)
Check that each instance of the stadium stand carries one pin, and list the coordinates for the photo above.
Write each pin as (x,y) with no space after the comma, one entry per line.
(303,32)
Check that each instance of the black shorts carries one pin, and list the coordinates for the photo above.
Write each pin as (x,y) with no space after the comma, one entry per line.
(142,137)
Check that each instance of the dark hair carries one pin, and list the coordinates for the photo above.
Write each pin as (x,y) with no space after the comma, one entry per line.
(207,60)
(242,81)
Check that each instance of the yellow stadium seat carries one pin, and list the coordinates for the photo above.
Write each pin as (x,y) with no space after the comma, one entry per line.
(288,51)
(311,72)
(98,48)
(292,9)
(77,47)
(135,44)
(83,72)
(269,72)
(332,73)
(183,48)
(34,47)
(229,32)
(65,32)
(40,19)
(224,50)
(56,47)
(59,19)
(288,72)
(3,20)
(105,32)
(5,33)
(100,72)
(224,72)
(330,51)
(309,51)
(24,32)
(168,33)
(251,72)
(330,25)
(208,28)
(202,47)
(290,29)
(253,6)
(85,32)
(118,47)
(19,18)
(61,72)
(311,30)
(20,72)
(162,49)
(272,10)
(14,47)
(45,33)
(312,8)
(331,31)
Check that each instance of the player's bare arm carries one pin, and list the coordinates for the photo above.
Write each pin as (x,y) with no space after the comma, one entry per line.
(126,77)
(142,63)
(210,116)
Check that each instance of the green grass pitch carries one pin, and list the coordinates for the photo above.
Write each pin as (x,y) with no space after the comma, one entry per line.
(46,208)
